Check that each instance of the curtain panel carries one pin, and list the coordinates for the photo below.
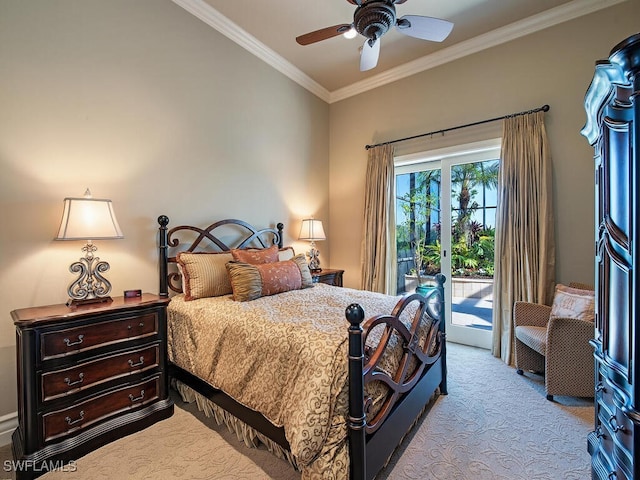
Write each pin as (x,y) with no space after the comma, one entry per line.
(378,237)
(524,246)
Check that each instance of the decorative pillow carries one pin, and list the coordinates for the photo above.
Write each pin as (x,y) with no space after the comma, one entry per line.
(204,274)
(286,253)
(256,256)
(254,281)
(571,302)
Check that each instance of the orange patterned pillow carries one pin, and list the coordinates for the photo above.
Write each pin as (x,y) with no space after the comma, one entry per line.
(256,256)
(254,281)
(571,302)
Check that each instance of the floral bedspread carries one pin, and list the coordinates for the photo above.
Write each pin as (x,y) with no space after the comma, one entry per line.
(284,356)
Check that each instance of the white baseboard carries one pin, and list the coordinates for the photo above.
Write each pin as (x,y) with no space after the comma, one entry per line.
(8,423)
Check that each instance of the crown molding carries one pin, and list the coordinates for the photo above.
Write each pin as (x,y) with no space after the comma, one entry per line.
(232,31)
(546,19)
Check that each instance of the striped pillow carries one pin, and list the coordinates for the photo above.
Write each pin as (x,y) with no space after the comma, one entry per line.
(254,281)
(204,274)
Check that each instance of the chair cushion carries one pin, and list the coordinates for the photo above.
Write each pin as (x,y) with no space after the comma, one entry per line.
(533,337)
(571,302)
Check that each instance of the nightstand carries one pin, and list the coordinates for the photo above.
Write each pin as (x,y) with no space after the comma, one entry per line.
(328,276)
(87,375)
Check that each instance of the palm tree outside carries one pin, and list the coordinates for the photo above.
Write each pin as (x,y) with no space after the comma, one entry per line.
(418,230)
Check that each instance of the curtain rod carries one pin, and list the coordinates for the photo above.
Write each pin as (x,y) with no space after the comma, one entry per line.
(544,108)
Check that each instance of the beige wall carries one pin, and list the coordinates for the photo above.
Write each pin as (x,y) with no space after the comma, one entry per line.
(150,107)
(554,67)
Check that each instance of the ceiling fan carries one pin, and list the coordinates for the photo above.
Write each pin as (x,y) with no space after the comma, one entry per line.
(372,19)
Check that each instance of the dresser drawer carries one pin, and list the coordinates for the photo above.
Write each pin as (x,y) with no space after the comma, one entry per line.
(615,435)
(84,414)
(603,470)
(62,382)
(68,341)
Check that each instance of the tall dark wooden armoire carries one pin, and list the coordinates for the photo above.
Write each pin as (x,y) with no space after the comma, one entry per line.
(613,128)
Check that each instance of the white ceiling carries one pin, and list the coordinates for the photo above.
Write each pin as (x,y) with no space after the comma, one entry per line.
(330,68)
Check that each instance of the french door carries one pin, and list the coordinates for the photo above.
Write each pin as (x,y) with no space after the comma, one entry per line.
(445,222)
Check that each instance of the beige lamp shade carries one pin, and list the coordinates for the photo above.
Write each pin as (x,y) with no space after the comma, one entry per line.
(88,218)
(312,230)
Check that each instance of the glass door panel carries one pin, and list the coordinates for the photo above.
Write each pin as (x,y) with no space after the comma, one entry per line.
(471,245)
(418,220)
(445,222)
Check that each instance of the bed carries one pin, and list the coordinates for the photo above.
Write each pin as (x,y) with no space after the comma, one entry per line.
(290,363)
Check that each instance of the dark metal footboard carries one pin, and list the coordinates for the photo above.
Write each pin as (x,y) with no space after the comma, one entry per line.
(372,444)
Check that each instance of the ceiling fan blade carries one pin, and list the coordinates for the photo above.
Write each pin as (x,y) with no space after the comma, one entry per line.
(398,2)
(359,2)
(426,28)
(322,34)
(369,55)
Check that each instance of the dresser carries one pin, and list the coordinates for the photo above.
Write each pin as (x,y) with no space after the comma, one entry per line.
(613,129)
(329,276)
(87,375)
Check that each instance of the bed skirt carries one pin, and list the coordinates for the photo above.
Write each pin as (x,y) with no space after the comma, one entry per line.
(249,435)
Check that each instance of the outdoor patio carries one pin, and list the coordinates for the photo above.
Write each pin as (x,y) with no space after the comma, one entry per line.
(472,312)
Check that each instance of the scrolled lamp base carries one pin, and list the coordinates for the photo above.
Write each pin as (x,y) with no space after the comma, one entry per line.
(90,286)
(314,258)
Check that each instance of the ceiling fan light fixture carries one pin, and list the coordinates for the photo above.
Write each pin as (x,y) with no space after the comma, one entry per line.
(351,33)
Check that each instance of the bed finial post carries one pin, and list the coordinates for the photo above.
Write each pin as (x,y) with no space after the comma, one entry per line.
(440,279)
(280,227)
(357,419)
(163,221)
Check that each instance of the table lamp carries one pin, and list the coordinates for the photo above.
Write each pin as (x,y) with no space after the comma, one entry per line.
(312,230)
(88,219)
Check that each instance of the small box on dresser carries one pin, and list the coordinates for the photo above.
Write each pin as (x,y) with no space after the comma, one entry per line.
(87,375)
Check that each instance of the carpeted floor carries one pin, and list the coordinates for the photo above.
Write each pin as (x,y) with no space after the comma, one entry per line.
(493,425)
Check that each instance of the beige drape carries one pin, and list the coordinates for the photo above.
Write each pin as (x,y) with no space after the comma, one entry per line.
(524,247)
(378,237)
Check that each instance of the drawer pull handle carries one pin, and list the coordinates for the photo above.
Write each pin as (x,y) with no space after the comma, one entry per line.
(69,343)
(69,383)
(78,420)
(136,399)
(614,425)
(139,364)
(612,475)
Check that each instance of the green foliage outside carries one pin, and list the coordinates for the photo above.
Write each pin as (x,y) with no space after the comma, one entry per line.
(472,249)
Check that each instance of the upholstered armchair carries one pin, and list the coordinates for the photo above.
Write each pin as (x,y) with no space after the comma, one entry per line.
(555,341)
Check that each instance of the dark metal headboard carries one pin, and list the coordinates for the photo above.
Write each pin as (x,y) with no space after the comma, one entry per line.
(248,236)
